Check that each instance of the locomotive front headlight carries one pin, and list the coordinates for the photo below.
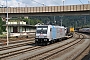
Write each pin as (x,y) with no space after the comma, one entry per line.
(36,39)
(45,39)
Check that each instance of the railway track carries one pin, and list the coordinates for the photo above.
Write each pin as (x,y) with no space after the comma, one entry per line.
(14,38)
(18,44)
(39,52)
(47,54)
(3,42)
(74,52)
(16,52)
(24,50)
(83,51)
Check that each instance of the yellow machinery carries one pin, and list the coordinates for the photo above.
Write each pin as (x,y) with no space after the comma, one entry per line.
(71,29)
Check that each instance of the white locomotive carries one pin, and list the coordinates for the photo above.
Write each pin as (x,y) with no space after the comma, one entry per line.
(46,34)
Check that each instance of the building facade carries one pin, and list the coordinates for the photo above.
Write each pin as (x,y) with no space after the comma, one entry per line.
(20,28)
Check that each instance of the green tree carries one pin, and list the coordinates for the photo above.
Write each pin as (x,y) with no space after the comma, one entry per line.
(2,28)
(32,21)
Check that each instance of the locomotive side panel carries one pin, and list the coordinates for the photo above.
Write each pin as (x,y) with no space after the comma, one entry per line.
(53,32)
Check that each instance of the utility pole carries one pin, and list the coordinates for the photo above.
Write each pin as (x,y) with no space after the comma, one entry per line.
(63,5)
(84,20)
(61,19)
(88,1)
(43,4)
(54,20)
(7,22)
(18,4)
(63,11)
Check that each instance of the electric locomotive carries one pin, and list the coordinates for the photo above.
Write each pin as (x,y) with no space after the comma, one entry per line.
(46,34)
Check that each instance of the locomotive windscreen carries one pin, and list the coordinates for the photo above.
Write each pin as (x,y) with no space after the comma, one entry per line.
(42,29)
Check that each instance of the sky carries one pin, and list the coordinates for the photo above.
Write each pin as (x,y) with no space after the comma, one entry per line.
(36,3)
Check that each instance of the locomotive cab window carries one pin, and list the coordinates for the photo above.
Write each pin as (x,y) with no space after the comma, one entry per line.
(42,29)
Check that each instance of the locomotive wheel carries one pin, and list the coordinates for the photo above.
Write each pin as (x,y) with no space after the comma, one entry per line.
(52,41)
(59,40)
(45,44)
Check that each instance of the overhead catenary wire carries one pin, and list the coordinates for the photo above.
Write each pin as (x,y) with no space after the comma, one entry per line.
(82,3)
(33,1)
(38,2)
(55,2)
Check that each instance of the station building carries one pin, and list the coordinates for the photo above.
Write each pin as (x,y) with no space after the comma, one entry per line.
(20,28)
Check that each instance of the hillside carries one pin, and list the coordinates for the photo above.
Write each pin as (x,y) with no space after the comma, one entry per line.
(69,21)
